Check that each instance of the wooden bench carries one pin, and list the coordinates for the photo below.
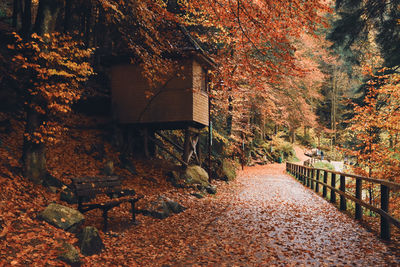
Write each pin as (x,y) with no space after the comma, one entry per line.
(88,188)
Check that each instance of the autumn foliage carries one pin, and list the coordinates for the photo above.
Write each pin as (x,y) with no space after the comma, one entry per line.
(375,127)
(53,68)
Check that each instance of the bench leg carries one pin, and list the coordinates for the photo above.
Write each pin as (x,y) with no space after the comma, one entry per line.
(105,217)
(133,212)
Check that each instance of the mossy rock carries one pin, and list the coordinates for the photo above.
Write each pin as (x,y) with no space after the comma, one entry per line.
(62,217)
(195,175)
(192,175)
(69,254)
(226,171)
(90,241)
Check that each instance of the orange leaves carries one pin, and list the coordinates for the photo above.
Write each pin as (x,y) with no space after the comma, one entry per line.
(375,125)
(53,68)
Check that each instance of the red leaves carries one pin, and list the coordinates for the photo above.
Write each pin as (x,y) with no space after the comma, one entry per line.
(55,65)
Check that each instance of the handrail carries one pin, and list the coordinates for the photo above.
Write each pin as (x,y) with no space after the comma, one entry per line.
(390,184)
(309,175)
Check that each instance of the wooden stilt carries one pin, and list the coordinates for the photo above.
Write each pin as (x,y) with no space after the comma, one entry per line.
(186,146)
(146,142)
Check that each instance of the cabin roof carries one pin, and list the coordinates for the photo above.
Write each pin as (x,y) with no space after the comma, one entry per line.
(181,42)
(186,45)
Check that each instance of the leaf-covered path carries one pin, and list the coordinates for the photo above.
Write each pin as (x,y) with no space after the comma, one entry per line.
(264,218)
(275,220)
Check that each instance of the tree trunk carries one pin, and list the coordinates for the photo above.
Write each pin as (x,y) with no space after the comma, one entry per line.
(47,15)
(67,15)
(34,154)
(16,13)
(292,134)
(88,24)
(229,116)
(27,19)
(34,157)
(263,126)
(334,109)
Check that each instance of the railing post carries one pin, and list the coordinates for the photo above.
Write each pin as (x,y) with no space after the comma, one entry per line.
(343,205)
(317,183)
(311,179)
(303,175)
(308,177)
(333,184)
(385,224)
(325,182)
(298,173)
(359,211)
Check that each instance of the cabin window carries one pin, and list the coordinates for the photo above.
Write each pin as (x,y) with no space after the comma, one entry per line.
(199,78)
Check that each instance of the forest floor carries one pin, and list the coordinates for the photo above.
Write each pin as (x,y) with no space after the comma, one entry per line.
(262,218)
(270,219)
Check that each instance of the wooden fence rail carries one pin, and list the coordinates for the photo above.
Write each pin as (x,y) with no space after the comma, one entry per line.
(310,176)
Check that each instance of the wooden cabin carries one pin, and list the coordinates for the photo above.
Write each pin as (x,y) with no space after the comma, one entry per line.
(180,102)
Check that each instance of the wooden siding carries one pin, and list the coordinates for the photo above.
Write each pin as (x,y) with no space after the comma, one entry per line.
(200,107)
(180,100)
(199,77)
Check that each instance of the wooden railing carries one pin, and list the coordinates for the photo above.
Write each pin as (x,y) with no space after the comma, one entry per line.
(311,161)
(311,177)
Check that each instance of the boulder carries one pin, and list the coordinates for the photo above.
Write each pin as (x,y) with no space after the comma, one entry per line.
(108,169)
(51,181)
(211,189)
(174,177)
(125,163)
(197,195)
(62,217)
(226,171)
(196,175)
(191,176)
(68,196)
(157,209)
(69,254)
(174,206)
(163,207)
(90,242)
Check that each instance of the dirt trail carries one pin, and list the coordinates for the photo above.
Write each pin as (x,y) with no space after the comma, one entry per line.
(263,218)
(300,153)
(274,220)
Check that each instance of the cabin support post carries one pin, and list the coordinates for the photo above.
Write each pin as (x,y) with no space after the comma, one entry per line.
(189,145)
(186,146)
(146,142)
(199,155)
